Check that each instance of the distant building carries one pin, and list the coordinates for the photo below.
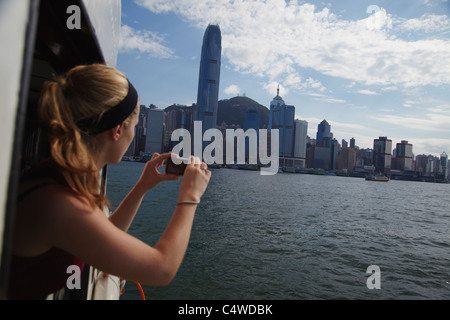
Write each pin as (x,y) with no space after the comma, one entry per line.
(421,163)
(326,149)
(209,78)
(429,169)
(364,157)
(346,159)
(322,157)
(352,143)
(323,131)
(444,165)
(155,131)
(141,131)
(403,156)
(176,119)
(281,117)
(251,121)
(301,133)
(382,154)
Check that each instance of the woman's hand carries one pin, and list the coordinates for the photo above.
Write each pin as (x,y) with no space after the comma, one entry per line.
(150,176)
(195,180)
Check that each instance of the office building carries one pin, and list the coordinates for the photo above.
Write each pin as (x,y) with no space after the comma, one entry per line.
(209,78)
(352,143)
(382,157)
(155,131)
(281,117)
(251,121)
(323,131)
(444,165)
(176,119)
(346,160)
(403,156)
(325,150)
(301,133)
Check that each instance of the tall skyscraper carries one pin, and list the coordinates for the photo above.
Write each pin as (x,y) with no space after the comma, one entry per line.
(176,119)
(382,154)
(323,131)
(325,150)
(301,132)
(209,77)
(155,131)
(251,121)
(352,143)
(281,117)
(404,156)
(444,164)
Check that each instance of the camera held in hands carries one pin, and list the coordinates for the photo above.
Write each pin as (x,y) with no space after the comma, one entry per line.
(177,169)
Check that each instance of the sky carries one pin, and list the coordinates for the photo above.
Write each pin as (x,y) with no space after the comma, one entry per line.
(370,68)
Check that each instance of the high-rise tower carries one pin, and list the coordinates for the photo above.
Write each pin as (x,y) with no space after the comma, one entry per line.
(444,164)
(382,157)
(323,131)
(209,77)
(281,117)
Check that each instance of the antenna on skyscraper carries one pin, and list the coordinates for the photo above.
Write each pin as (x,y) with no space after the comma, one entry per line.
(278,90)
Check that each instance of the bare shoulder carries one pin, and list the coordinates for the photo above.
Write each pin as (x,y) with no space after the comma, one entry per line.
(40,213)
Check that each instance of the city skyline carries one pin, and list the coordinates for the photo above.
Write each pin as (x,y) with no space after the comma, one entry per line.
(368,70)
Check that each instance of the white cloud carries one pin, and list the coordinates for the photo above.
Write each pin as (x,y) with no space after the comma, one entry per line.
(367,92)
(434,122)
(232,90)
(330,99)
(427,23)
(142,41)
(278,40)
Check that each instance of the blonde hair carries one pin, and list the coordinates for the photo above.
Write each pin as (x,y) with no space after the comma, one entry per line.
(83,92)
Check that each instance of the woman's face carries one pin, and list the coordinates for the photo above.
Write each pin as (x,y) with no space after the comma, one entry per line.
(129,129)
(121,145)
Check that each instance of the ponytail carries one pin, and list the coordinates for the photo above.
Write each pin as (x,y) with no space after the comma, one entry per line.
(83,92)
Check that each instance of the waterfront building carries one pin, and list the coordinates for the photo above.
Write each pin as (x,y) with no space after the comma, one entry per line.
(301,133)
(209,78)
(326,148)
(155,130)
(403,156)
(429,170)
(176,119)
(444,165)
(364,156)
(382,157)
(281,117)
(251,121)
(333,153)
(322,157)
(421,163)
(352,143)
(323,131)
(346,159)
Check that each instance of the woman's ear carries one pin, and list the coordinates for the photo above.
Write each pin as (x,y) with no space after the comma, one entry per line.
(117,131)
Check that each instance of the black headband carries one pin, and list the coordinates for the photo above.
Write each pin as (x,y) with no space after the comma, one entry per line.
(113,117)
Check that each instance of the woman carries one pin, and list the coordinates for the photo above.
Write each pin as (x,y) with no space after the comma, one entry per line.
(89,116)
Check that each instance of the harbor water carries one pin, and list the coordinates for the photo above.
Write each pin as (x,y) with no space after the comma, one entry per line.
(299,236)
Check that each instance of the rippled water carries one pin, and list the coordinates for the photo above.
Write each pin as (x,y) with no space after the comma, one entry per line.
(295,236)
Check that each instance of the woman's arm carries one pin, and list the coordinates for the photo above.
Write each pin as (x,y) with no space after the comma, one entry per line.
(124,214)
(89,236)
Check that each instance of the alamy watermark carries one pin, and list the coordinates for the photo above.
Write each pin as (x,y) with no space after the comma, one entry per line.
(74,20)
(213,153)
(375,20)
(374,280)
(74,280)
